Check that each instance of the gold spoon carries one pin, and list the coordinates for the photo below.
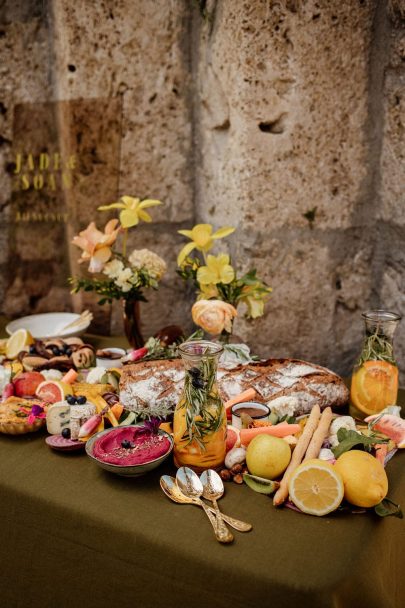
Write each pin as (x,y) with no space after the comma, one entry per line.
(213,488)
(210,516)
(190,484)
(172,491)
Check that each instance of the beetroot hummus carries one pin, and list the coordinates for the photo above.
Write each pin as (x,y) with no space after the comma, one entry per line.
(128,446)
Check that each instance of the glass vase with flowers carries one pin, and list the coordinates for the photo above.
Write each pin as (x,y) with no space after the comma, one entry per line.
(113,274)
(219,288)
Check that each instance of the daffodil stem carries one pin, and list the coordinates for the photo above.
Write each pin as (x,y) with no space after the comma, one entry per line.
(124,242)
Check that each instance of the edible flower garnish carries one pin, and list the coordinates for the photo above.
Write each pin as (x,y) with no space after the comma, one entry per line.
(36,412)
(150,427)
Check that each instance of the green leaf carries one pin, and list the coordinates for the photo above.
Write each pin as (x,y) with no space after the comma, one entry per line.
(387,508)
(350,439)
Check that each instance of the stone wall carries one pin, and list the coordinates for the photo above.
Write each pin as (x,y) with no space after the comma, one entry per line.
(258,113)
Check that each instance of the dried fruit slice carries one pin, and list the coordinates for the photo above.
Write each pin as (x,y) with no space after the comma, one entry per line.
(53,391)
(316,487)
(392,426)
(17,341)
(57,442)
(259,484)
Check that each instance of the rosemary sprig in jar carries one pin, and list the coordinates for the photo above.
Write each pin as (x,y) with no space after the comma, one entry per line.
(203,405)
(376,348)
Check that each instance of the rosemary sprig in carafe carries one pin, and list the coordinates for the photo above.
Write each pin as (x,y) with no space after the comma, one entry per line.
(203,404)
(376,347)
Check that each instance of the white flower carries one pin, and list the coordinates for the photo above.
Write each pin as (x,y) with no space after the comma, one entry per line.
(123,279)
(113,268)
(150,261)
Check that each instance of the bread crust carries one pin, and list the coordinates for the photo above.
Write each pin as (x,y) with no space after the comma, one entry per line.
(145,385)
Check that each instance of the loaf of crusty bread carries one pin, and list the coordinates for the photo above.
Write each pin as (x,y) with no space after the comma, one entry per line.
(153,387)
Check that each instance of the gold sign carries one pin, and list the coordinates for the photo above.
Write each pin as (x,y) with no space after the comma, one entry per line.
(46,171)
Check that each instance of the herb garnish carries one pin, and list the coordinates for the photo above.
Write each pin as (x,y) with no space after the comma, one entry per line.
(204,414)
(350,439)
(387,508)
(377,347)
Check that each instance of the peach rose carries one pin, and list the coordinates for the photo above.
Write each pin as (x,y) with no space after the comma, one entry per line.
(96,245)
(213,316)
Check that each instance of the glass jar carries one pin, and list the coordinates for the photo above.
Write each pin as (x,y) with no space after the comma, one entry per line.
(374,383)
(199,424)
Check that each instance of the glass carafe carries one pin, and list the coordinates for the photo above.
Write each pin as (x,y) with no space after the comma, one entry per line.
(199,425)
(374,383)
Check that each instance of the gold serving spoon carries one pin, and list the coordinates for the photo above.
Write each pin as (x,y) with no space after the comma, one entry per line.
(172,491)
(213,489)
(190,484)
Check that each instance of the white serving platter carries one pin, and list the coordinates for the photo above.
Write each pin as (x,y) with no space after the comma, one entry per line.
(48,325)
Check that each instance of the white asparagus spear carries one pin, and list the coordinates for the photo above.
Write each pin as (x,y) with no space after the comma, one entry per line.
(320,434)
(298,454)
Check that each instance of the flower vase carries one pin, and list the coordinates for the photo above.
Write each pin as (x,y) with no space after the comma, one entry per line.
(132,323)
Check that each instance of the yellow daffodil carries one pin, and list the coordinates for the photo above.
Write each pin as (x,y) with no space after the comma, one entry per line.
(255,306)
(207,292)
(133,210)
(202,239)
(254,297)
(217,270)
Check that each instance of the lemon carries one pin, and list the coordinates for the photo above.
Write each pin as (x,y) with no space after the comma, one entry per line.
(316,487)
(364,478)
(267,456)
(17,341)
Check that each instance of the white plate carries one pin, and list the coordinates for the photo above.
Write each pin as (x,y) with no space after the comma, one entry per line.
(48,325)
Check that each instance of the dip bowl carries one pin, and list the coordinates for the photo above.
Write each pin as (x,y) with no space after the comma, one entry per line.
(133,470)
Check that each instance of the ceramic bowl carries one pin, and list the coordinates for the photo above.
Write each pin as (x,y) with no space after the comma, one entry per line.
(48,325)
(135,470)
(249,405)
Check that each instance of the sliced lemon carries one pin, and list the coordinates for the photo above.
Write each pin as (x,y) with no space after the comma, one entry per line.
(316,487)
(17,341)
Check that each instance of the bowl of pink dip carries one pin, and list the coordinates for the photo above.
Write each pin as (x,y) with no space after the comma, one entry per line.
(128,450)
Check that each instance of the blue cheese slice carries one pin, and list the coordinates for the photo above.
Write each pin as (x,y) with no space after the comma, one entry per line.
(79,414)
(58,418)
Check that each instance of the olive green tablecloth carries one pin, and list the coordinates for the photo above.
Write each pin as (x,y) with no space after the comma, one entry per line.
(74,535)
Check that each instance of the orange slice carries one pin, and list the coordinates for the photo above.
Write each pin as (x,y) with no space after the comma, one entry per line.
(316,487)
(374,386)
(53,391)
